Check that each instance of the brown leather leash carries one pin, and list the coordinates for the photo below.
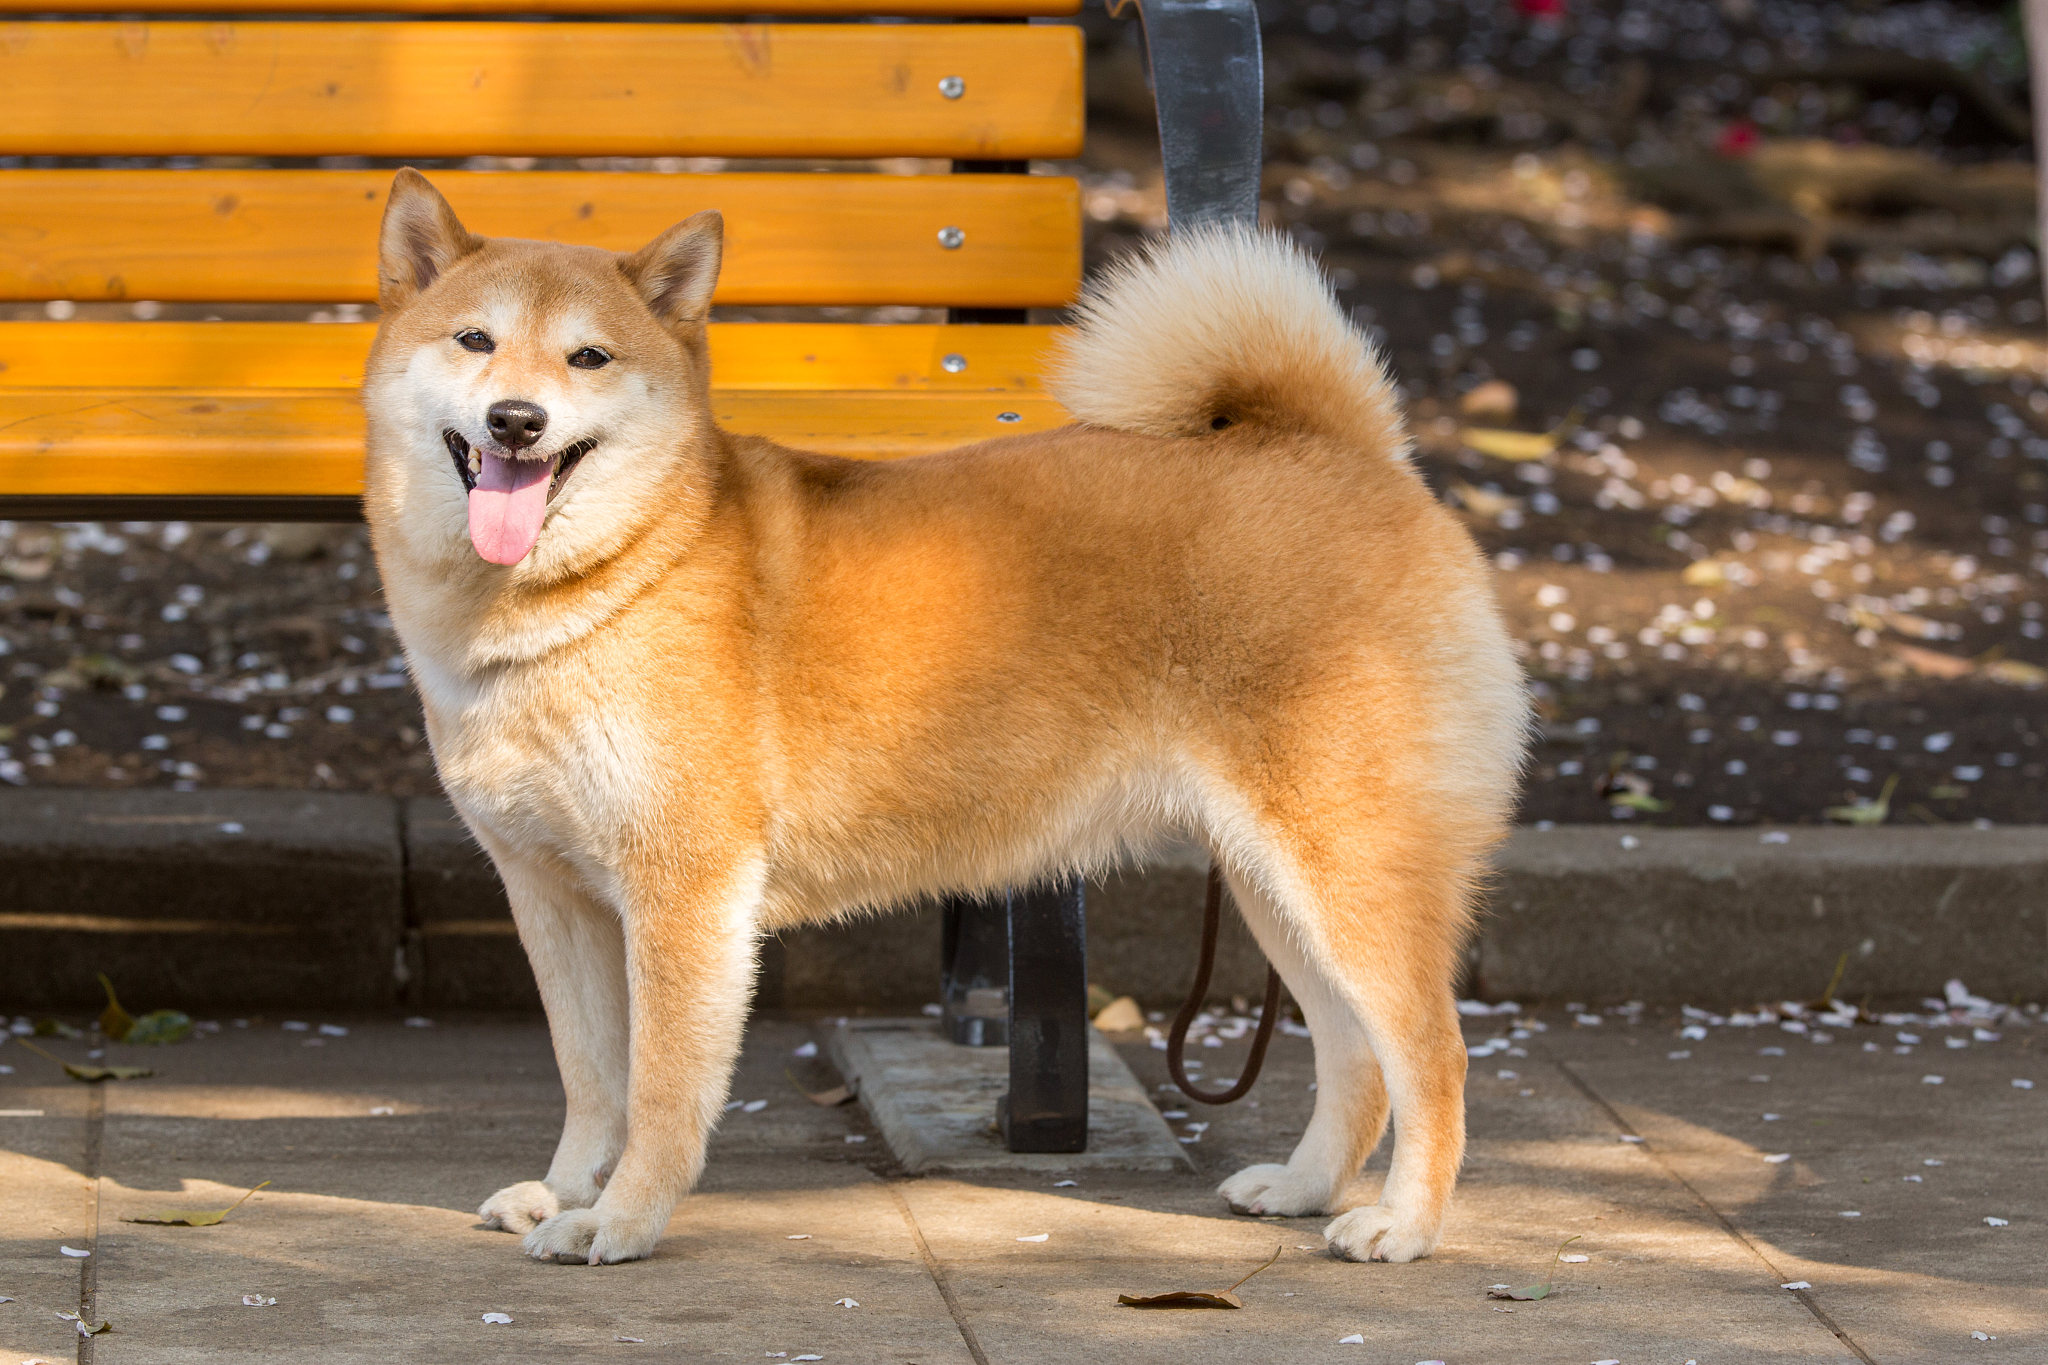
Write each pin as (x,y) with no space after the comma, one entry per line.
(1177,1037)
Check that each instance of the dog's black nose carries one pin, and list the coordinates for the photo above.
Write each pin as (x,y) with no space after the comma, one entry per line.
(516,423)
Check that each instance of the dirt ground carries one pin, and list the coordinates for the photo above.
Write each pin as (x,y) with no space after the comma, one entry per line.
(1755,279)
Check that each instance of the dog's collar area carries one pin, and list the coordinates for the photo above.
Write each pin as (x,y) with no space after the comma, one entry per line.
(468,464)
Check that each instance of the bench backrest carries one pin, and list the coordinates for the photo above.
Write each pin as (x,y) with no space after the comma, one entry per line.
(185,98)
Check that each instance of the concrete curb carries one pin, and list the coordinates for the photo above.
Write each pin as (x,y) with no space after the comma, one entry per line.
(291,900)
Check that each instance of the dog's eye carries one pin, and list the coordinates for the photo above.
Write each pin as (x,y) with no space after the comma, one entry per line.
(591,358)
(473,339)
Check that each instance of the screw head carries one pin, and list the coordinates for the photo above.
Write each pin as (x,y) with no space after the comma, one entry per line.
(951,237)
(953,364)
(1009,417)
(952,87)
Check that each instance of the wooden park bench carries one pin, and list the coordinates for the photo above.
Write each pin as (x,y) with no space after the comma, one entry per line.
(208,160)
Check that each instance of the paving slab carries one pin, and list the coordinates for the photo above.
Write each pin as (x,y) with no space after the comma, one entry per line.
(368,1240)
(935,1103)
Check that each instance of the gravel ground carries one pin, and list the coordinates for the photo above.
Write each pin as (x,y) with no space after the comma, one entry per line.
(1754,280)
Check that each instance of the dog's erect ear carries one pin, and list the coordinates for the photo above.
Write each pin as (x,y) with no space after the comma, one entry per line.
(420,239)
(676,272)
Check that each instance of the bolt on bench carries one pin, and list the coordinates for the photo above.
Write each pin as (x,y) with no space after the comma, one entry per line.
(258,421)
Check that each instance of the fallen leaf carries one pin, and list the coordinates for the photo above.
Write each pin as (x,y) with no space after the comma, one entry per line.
(1504,444)
(1194,1298)
(194,1218)
(1542,1289)
(1932,663)
(1482,503)
(1642,801)
(2013,673)
(57,1028)
(115,1022)
(829,1098)
(159,1027)
(86,1329)
(1120,1015)
(1704,573)
(79,1072)
(1495,399)
(1863,811)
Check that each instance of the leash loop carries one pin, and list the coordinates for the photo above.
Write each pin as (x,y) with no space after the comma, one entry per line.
(1177,1037)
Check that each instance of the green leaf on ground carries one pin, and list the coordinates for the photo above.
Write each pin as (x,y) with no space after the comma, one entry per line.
(1867,812)
(57,1028)
(1542,1289)
(1194,1298)
(159,1027)
(194,1218)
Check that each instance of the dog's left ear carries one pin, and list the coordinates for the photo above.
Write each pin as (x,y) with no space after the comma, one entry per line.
(676,272)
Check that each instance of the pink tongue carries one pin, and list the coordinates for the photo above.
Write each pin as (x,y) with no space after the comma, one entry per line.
(507,506)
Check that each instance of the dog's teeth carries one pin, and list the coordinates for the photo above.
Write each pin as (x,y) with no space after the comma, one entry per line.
(476,464)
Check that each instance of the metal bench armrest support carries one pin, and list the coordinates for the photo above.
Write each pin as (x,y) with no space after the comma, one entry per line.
(1208,84)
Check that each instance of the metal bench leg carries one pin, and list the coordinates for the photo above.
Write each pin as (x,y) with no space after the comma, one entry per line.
(1047,1107)
(1208,83)
(974,984)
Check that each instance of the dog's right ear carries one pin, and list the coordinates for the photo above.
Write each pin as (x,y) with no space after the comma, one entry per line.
(420,239)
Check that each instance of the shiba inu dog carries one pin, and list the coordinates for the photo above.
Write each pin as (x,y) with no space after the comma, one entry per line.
(689,687)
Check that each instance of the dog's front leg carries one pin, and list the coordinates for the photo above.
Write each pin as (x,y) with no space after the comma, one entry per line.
(579,962)
(689,966)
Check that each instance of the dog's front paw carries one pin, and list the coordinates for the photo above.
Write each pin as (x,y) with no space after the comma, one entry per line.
(1259,1190)
(586,1237)
(1378,1233)
(521,1207)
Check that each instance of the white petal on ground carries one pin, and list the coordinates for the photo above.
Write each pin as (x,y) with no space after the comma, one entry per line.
(497,1317)
(1355,1339)
(1796,1284)
(1998,1222)
(74,1253)
(1036,1237)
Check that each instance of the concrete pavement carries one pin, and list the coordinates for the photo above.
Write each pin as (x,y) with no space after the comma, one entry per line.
(367,1240)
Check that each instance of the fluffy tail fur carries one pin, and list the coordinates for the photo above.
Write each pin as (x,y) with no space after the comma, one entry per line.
(1218,325)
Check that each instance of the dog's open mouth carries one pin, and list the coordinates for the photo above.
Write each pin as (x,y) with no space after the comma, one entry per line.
(509,495)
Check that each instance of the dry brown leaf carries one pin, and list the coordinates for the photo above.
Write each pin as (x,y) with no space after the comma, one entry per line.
(1120,1015)
(1194,1298)
(829,1098)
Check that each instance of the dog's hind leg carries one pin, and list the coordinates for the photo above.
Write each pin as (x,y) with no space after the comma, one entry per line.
(690,944)
(579,961)
(1385,931)
(1351,1098)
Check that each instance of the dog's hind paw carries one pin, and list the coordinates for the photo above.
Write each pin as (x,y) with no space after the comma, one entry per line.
(1264,1190)
(1378,1233)
(585,1237)
(521,1207)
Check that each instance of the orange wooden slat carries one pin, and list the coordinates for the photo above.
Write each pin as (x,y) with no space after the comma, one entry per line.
(279,443)
(966,9)
(462,88)
(278,235)
(218,356)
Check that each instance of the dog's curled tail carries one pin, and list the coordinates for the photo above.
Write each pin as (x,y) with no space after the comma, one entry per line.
(1218,325)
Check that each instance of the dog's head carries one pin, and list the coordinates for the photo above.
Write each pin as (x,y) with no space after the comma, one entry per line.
(532,405)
